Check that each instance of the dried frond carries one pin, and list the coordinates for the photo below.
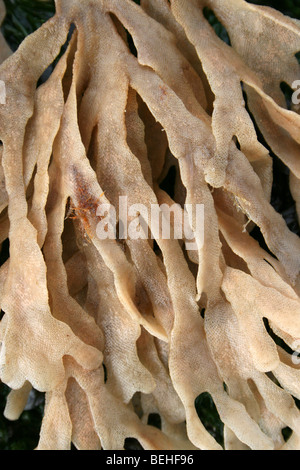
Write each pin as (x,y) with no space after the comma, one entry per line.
(116,328)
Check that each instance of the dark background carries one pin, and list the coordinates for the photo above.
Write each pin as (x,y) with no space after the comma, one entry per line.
(23,17)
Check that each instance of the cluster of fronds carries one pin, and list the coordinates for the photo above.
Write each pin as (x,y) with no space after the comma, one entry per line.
(115,331)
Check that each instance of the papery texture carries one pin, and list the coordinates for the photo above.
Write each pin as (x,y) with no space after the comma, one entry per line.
(115,329)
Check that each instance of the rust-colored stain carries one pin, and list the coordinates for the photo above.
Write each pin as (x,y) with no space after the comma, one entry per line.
(164,91)
(85,205)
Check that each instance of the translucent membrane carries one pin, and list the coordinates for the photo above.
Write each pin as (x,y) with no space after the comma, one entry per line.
(115,330)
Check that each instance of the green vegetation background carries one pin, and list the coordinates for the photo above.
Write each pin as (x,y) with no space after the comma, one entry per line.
(23,17)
